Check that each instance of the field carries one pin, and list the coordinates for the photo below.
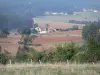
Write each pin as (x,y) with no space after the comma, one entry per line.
(58,37)
(49,40)
(56,24)
(51,69)
(62,21)
(10,44)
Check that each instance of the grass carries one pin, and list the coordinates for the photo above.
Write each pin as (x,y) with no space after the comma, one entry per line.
(63,18)
(51,69)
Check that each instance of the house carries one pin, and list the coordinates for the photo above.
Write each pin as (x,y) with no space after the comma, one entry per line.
(95,11)
(45,29)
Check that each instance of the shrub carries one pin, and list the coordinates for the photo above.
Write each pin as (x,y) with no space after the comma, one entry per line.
(80,57)
(21,57)
(4,58)
(65,52)
(33,54)
(47,56)
(26,56)
(75,27)
(93,50)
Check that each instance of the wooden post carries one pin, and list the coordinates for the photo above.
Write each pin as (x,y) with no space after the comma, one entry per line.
(67,62)
(31,61)
(39,62)
(10,61)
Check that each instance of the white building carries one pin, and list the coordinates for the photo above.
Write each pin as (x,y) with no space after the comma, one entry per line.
(95,11)
(66,14)
(54,13)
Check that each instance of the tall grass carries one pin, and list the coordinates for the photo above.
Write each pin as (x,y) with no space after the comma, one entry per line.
(51,69)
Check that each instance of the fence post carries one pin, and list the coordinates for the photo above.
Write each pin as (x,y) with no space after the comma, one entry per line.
(67,62)
(10,61)
(39,62)
(31,61)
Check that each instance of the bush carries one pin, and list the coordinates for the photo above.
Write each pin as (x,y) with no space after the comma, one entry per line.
(47,56)
(34,55)
(65,52)
(75,27)
(62,53)
(26,56)
(4,58)
(93,50)
(80,57)
(21,57)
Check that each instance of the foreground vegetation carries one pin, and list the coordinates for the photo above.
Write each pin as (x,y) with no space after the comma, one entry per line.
(49,69)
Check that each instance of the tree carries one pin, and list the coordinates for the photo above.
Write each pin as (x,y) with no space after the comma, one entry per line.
(36,25)
(75,27)
(26,31)
(32,54)
(93,50)
(5,33)
(4,58)
(13,21)
(80,57)
(90,31)
(47,27)
(27,39)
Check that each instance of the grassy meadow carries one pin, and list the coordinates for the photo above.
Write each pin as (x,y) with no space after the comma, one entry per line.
(62,21)
(91,16)
(51,69)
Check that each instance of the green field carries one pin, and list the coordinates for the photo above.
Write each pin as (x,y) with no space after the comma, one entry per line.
(91,16)
(49,69)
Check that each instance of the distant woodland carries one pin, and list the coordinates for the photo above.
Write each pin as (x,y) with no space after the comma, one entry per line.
(18,13)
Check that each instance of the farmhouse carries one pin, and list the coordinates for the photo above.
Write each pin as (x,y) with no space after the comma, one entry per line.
(45,29)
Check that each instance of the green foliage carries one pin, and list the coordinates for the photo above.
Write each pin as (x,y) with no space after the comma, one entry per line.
(62,53)
(47,25)
(26,31)
(75,27)
(80,57)
(4,58)
(65,52)
(27,39)
(26,56)
(90,31)
(4,33)
(21,57)
(33,54)
(93,50)
(47,56)
(36,25)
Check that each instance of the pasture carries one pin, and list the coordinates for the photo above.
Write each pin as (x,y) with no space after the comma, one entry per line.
(80,16)
(59,21)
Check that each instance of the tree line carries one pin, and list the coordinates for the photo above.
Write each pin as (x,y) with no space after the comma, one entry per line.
(13,21)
